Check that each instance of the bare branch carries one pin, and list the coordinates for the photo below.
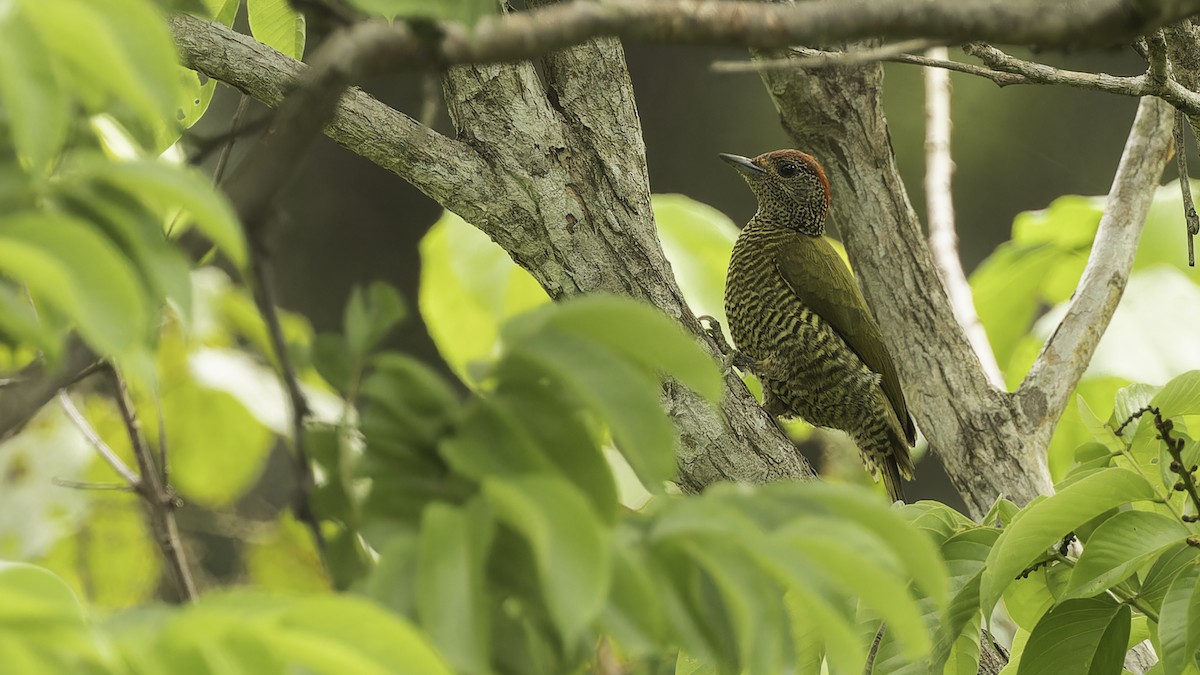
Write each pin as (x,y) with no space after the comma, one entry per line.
(106,453)
(264,296)
(816,58)
(939,200)
(1185,187)
(841,58)
(35,386)
(160,500)
(1153,83)
(774,26)
(528,35)
(1044,393)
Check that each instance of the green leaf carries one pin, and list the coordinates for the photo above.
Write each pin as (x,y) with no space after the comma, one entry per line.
(624,398)
(1164,570)
(562,436)
(67,264)
(469,286)
(275,24)
(165,188)
(859,505)
(1128,401)
(115,50)
(852,558)
(370,316)
(451,596)
(42,626)
(1084,635)
(285,559)
(407,402)
(633,615)
(1046,522)
(1180,396)
(570,544)
(698,241)
(463,11)
(1179,621)
(222,11)
(195,97)
(1007,288)
(19,325)
(164,270)
(965,554)
(937,520)
(333,362)
(342,634)
(632,329)
(490,442)
(1101,432)
(218,448)
(1118,547)
(38,108)
(751,604)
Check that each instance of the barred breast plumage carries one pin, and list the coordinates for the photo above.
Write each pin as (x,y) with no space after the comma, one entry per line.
(794,309)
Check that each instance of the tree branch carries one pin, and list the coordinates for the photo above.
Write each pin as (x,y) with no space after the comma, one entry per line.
(160,500)
(774,26)
(1148,84)
(35,386)
(939,200)
(530,35)
(1044,393)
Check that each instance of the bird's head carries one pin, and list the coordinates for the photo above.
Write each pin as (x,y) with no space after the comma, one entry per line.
(790,186)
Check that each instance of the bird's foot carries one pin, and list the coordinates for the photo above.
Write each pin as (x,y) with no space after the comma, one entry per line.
(730,357)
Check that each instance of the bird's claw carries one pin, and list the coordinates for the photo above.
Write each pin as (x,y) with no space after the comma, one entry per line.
(712,327)
(730,358)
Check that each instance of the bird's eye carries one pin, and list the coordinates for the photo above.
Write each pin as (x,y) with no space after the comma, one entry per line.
(787,169)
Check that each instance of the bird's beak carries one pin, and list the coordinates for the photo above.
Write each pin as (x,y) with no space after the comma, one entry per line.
(743,164)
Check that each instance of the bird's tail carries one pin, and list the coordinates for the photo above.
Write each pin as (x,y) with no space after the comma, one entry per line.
(889,471)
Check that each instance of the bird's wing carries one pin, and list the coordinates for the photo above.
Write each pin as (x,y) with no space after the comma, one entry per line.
(823,282)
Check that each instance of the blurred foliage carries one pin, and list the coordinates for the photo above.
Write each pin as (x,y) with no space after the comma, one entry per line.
(528,526)
(1023,288)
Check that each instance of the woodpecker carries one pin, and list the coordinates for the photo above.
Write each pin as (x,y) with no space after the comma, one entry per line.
(801,324)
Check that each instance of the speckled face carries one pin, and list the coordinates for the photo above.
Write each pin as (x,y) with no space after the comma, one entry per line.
(791,188)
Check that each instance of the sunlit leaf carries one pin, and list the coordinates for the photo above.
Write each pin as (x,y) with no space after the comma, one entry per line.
(1046,522)
(450,590)
(276,24)
(571,547)
(1085,636)
(1179,621)
(1119,546)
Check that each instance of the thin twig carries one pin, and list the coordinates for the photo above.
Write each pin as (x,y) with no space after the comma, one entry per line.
(264,296)
(431,98)
(816,58)
(106,453)
(841,58)
(232,135)
(84,485)
(1185,187)
(1187,474)
(161,502)
(943,240)
(1152,83)
(165,469)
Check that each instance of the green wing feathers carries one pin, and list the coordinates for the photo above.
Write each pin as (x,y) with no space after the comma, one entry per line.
(823,282)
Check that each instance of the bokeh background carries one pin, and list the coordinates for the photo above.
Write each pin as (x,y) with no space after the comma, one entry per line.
(349,222)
